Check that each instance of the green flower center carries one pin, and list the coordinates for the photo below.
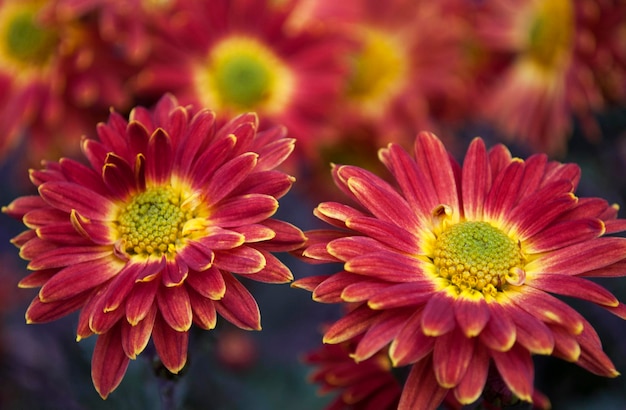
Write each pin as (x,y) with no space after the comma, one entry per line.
(475,255)
(152,223)
(242,80)
(26,41)
(551,32)
(241,73)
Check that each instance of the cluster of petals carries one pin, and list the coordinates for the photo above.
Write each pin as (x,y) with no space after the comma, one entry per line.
(451,334)
(223,188)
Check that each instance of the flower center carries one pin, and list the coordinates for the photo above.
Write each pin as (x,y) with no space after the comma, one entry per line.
(152,223)
(243,74)
(551,32)
(377,70)
(475,255)
(25,42)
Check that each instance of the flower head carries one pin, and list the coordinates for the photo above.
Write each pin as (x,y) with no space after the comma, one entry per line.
(557,58)
(369,384)
(454,270)
(145,239)
(56,75)
(239,56)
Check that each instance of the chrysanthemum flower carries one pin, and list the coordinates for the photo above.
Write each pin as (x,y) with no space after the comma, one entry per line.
(369,384)
(561,55)
(147,238)
(238,56)
(50,68)
(402,63)
(456,269)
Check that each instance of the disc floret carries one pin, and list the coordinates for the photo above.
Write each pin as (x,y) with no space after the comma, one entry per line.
(476,255)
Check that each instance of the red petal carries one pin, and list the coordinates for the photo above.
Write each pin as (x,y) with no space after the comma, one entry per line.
(108,363)
(243,259)
(67,196)
(244,210)
(437,318)
(354,323)
(452,354)
(517,370)
(581,257)
(135,338)
(504,192)
(565,345)
(171,346)
(175,307)
(421,390)
(209,283)
(563,234)
(385,327)
(204,314)
(574,286)
(330,290)
(471,312)
(411,344)
(140,300)
(476,180)
(404,294)
(385,232)
(238,305)
(434,161)
(174,273)
(499,332)
(159,157)
(472,384)
(363,290)
(69,255)
(78,278)
(273,272)
(196,256)
(229,176)
(389,266)
(531,332)
(39,312)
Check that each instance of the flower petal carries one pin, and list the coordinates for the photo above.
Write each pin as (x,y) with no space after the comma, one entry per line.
(135,338)
(452,355)
(171,345)
(68,255)
(476,180)
(243,260)
(404,294)
(108,363)
(140,300)
(411,344)
(574,286)
(204,313)
(238,305)
(229,176)
(354,323)
(437,318)
(499,332)
(175,307)
(421,390)
(517,370)
(243,210)
(471,312)
(67,196)
(209,283)
(385,327)
(471,386)
(390,266)
(564,234)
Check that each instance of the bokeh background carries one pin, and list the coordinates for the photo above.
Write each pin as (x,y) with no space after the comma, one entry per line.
(346,78)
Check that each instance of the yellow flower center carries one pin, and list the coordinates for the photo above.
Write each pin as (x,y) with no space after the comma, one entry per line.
(243,74)
(475,255)
(378,70)
(24,43)
(551,33)
(152,222)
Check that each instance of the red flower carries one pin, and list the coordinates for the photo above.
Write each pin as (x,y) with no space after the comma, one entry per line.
(147,238)
(455,269)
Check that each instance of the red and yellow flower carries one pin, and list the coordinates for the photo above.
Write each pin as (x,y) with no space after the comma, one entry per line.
(148,237)
(455,269)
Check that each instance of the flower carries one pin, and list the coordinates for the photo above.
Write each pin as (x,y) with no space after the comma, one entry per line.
(239,56)
(146,239)
(558,57)
(56,76)
(365,385)
(455,269)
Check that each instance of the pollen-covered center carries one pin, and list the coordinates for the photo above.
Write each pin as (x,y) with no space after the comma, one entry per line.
(152,222)
(243,74)
(476,255)
(551,32)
